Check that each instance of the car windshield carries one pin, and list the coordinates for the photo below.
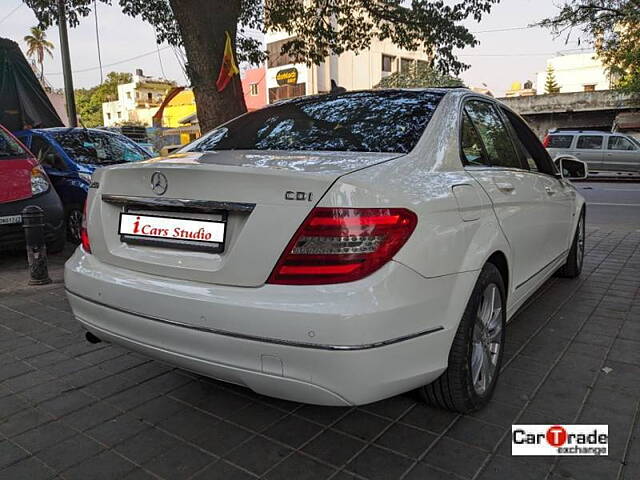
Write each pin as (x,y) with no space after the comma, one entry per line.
(97,148)
(9,147)
(378,121)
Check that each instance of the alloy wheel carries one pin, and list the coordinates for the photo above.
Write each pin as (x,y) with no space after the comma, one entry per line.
(486,339)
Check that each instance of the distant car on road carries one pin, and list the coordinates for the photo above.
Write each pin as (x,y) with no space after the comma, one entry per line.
(23,182)
(605,153)
(71,155)
(335,249)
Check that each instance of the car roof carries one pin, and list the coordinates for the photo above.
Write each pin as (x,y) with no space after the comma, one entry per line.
(381,92)
(57,130)
(588,132)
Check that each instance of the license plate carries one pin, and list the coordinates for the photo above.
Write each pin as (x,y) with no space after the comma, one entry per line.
(172,232)
(10,219)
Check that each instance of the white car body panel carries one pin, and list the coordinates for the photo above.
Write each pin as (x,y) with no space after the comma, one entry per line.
(283,323)
(341,344)
(245,177)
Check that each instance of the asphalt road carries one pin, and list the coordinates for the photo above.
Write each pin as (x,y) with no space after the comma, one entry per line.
(612,203)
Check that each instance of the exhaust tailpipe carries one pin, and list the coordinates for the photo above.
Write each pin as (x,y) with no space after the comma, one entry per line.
(91,338)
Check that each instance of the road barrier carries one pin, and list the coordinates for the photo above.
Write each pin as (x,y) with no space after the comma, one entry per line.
(33,224)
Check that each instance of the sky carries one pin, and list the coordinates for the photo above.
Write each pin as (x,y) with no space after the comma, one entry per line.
(503,57)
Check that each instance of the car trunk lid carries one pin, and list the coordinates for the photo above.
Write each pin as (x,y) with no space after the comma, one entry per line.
(263,196)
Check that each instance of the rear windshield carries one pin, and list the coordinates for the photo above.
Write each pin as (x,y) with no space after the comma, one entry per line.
(97,148)
(384,121)
(9,147)
(560,141)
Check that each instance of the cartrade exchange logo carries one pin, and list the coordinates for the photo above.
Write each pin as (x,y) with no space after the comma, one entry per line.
(560,440)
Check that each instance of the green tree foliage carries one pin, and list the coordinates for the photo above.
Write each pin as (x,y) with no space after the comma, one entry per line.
(420,75)
(550,84)
(318,29)
(37,46)
(612,27)
(90,100)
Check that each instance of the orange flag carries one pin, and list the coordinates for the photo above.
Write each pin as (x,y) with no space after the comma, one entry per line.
(228,68)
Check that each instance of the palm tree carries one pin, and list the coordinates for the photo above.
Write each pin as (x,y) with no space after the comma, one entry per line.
(38,45)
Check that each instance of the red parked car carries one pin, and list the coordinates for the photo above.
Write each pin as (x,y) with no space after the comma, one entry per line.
(24,182)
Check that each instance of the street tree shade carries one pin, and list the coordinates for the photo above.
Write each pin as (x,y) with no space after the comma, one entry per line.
(318,28)
(90,100)
(612,27)
(419,76)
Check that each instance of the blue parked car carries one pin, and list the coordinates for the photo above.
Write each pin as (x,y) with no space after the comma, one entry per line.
(70,156)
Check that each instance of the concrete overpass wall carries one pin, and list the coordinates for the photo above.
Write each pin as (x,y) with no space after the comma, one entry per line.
(580,110)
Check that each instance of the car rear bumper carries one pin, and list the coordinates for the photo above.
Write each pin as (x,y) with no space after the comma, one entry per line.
(359,362)
(12,236)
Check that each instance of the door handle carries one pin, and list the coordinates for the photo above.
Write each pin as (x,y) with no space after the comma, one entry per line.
(505,186)
(549,190)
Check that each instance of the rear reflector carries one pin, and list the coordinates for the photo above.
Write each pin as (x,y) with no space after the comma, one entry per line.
(546,141)
(336,245)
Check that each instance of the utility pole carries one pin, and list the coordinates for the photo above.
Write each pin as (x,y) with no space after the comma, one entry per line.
(66,66)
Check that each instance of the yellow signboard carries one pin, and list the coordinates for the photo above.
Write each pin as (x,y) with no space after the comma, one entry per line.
(288,76)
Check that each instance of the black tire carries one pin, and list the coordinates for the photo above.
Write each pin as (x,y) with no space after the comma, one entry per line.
(573,267)
(73,221)
(455,389)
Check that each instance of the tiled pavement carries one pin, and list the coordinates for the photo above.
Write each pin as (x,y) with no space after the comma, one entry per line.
(78,411)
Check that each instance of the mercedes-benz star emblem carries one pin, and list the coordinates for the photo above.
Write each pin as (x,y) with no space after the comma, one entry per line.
(159,183)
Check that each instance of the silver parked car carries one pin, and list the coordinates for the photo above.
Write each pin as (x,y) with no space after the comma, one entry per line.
(604,152)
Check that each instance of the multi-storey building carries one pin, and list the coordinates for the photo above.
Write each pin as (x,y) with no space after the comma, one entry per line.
(353,71)
(578,72)
(137,101)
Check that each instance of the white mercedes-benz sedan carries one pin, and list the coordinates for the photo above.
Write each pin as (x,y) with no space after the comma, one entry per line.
(335,249)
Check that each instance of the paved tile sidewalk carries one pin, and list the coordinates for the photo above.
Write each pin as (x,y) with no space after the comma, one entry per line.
(73,410)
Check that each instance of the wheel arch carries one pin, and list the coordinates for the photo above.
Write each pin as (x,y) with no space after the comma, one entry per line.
(580,209)
(499,259)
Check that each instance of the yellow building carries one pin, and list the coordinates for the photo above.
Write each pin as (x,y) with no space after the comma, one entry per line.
(176,129)
(181,106)
(139,100)
(519,90)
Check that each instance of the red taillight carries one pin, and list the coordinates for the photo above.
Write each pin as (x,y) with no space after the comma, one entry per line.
(546,141)
(84,235)
(336,245)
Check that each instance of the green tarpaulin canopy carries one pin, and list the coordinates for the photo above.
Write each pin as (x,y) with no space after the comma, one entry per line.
(23,102)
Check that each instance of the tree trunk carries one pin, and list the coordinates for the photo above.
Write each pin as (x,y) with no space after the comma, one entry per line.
(202,24)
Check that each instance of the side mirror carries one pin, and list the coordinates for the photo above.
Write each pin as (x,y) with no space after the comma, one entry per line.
(571,168)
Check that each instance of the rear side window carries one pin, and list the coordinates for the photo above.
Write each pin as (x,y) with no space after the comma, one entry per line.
(383,121)
(560,141)
(620,143)
(9,147)
(494,134)
(471,143)
(589,142)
